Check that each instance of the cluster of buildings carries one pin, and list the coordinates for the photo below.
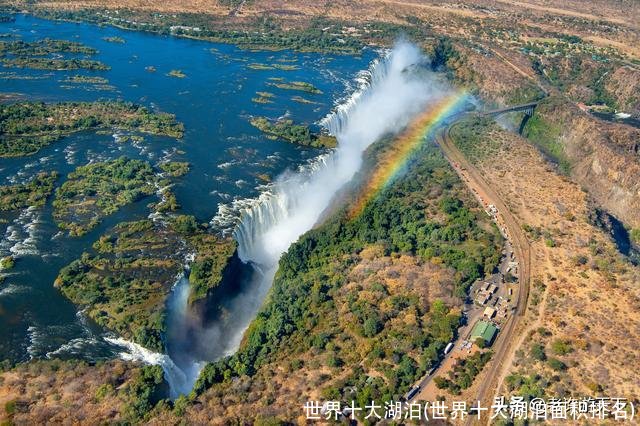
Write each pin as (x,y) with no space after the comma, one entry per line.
(485,293)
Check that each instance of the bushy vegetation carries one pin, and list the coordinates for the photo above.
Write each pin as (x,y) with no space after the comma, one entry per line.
(472,137)
(26,127)
(550,378)
(124,284)
(260,33)
(114,39)
(176,73)
(546,136)
(32,193)
(207,270)
(297,85)
(175,168)
(310,309)
(272,66)
(7,262)
(576,68)
(143,392)
(263,98)
(97,190)
(85,79)
(43,47)
(538,352)
(561,347)
(54,64)
(464,372)
(294,133)
(527,386)
(38,55)
(212,257)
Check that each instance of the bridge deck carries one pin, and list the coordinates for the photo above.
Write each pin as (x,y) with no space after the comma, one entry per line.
(529,107)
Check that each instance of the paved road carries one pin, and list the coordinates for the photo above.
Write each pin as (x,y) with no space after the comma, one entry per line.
(522,252)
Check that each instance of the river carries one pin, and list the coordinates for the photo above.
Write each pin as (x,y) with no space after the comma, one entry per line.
(226,154)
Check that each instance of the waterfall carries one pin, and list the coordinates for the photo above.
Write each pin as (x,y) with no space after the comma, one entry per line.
(174,375)
(390,93)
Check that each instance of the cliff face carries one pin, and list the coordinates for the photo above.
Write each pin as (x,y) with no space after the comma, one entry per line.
(604,157)
(624,85)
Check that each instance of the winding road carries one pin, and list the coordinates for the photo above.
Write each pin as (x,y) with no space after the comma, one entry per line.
(472,177)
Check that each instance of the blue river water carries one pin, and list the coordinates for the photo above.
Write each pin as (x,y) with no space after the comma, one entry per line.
(227,155)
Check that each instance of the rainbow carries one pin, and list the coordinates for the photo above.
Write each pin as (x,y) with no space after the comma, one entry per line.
(393,161)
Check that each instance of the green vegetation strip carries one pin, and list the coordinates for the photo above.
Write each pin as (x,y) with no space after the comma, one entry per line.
(43,47)
(175,168)
(297,85)
(26,127)
(282,67)
(472,136)
(463,373)
(55,64)
(32,193)
(545,130)
(321,35)
(125,283)
(114,39)
(97,190)
(294,133)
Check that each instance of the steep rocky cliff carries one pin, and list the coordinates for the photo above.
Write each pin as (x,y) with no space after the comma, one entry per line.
(602,157)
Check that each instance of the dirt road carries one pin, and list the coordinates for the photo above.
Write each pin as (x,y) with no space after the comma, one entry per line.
(522,251)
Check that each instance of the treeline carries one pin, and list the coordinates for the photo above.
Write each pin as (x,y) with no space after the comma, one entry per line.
(320,34)
(34,54)
(54,64)
(260,33)
(464,372)
(44,47)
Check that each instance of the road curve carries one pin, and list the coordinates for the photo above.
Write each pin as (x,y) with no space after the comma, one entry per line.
(522,253)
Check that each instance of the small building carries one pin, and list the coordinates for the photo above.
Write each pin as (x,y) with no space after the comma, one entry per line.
(483,298)
(484,330)
(489,312)
(493,288)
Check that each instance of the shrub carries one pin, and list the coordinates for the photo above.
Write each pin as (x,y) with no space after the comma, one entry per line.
(10,407)
(185,224)
(537,352)
(7,262)
(556,364)
(103,391)
(180,405)
(561,347)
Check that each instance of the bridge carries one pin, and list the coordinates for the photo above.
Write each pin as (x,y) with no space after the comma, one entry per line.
(526,108)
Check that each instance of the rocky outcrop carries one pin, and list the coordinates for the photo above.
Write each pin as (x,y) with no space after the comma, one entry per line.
(604,157)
